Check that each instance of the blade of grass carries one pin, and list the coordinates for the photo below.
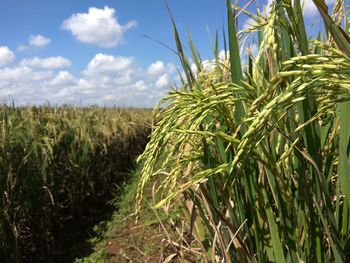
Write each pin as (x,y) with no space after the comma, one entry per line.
(235,61)
(344,164)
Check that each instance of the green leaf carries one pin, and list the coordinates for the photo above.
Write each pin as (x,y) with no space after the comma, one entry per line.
(344,164)
(276,240)
(235,60)
(340,37)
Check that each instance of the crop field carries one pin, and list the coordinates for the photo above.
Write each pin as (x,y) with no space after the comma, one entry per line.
(247,159)
(57,166)
(254,150)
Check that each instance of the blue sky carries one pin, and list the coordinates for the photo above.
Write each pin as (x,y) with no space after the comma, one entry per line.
(94,52)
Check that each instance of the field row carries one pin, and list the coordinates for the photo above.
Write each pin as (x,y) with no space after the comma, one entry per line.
(57,167)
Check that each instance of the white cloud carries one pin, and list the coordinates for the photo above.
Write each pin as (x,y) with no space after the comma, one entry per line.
(98,26)
(46,63)
(125,78)
(39,41)
(63,78)
(310,10)
(106,80)
(23,85)
(22,47)
(35,41)
(156,68)
(107,63)
(140,85)
(119,80)
(194,68)
(84,86)
(22,75)
(159,67)
(6,56)
(208,64)
(107,70)
(222,54)
(163,82)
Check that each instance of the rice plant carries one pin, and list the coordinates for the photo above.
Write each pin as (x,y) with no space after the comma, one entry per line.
(256,156)
(56,166)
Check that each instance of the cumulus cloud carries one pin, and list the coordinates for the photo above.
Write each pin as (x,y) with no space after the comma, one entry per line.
(22,85)
(35,41)
(39,41)
(63,78)
(140,85)
(163,81)
(106,80)
(156,68)
(107,63)
(222,54)
(98,26)
(46,63)
(208,64)
(6,56)
(120,80)
(22,74)
(159,67)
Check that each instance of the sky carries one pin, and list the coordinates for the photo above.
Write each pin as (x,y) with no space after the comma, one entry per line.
(95,52)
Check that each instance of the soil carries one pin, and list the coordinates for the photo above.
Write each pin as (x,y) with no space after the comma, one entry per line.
(131,242)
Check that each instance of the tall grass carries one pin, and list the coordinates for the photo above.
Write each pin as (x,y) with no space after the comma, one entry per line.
(259,161)
(56,166)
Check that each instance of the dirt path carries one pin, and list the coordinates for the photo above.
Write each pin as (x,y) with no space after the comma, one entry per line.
(129,242)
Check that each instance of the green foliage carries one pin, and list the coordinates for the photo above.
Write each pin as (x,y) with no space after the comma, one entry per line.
(97,257)
(56,166)
(260,163)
